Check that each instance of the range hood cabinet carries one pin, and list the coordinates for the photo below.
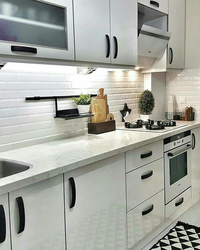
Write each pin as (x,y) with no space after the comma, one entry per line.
(152,43)
(153,36)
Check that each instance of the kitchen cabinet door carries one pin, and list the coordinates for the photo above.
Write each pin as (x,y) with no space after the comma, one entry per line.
(4,223)
(96,206)
(37,29)
(195,161)
(176,47)
(124,19)
(92,30)
(160,5)
(37,216)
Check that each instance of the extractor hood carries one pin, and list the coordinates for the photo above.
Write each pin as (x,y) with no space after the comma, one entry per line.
(152,43)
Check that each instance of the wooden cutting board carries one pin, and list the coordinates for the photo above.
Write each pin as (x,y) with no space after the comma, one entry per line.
(98,108)
(104,97)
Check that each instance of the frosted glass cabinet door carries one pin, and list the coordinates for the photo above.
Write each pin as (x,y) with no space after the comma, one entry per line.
(92,30)
(96,217)
(37,28)
(124,19)
(37,216)
(4,223)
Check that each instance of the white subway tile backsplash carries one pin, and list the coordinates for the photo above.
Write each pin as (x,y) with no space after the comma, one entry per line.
(26,123)
(185,84)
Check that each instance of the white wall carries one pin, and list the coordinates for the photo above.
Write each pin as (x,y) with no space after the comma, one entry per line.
(25,123)
(156,82)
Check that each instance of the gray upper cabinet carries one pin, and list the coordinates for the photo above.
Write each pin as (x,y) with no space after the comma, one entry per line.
(37,29)
(124,32)
(160,5)
(92,30)
(176,47)
(106,31)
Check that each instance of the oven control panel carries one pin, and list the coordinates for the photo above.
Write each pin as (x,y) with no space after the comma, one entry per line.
(177,141)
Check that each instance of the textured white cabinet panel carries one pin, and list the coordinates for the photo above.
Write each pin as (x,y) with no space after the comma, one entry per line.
(163,5)
(98,219)
(44,216)
(138,189)
(134,157)
(4,202)
(177,29)
(92,24)
(179,201)
(124,18)
(140,225)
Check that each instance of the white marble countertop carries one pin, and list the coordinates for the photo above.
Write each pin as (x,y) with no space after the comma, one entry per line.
(57,157)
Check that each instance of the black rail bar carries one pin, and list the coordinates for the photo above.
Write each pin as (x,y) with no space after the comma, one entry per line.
(38,98)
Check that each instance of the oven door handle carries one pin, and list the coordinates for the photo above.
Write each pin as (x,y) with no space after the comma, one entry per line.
(171,154)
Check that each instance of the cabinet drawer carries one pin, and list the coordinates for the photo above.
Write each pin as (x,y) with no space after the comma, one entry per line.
(139,223)
(143,155)
(178,202)
(147,180)
(160,5)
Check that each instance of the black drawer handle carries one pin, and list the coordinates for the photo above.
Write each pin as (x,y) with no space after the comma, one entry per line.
(24,49)
(116,47)
(108,46)
(21,208)
(2,224)
(193,141)
(73,187)
(179,202)
(142,156)
(148,210)
(171,56)
(146,176)
(155,3)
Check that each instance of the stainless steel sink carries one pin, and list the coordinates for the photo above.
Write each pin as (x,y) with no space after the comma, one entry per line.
(10,167)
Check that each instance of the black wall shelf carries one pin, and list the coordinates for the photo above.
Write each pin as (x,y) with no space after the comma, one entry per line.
(67,114)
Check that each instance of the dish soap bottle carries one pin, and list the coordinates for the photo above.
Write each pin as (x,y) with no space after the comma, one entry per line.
(171,107)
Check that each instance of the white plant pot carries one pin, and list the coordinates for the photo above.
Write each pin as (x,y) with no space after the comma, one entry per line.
(83,108)
(145,117)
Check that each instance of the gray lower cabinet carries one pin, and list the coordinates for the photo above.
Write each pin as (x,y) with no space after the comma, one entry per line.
(36,217)
(106,31)
(195,161)
(4,223)
(96,206)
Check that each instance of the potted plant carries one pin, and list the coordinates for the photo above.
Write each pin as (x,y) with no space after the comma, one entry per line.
(146,104)
(83,103)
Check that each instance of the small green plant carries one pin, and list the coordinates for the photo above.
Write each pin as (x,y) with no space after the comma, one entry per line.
(146,102)
(83,100)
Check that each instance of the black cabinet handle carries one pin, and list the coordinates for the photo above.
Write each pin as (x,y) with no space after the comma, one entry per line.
(2,224)
(108,46)
(179,202)
(148,210)
(193,141)
(21,208)
(155,3)
(172,55)
(146,176)
(116,47)
(142,156)
(24,49)
(73,187)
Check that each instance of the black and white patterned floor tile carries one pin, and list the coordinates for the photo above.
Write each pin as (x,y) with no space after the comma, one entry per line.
(182,236)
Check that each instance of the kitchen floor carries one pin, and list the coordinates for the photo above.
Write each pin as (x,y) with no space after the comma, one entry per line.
(192,216)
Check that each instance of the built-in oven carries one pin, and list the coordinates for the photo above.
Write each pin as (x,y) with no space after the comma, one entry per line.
(177,157)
